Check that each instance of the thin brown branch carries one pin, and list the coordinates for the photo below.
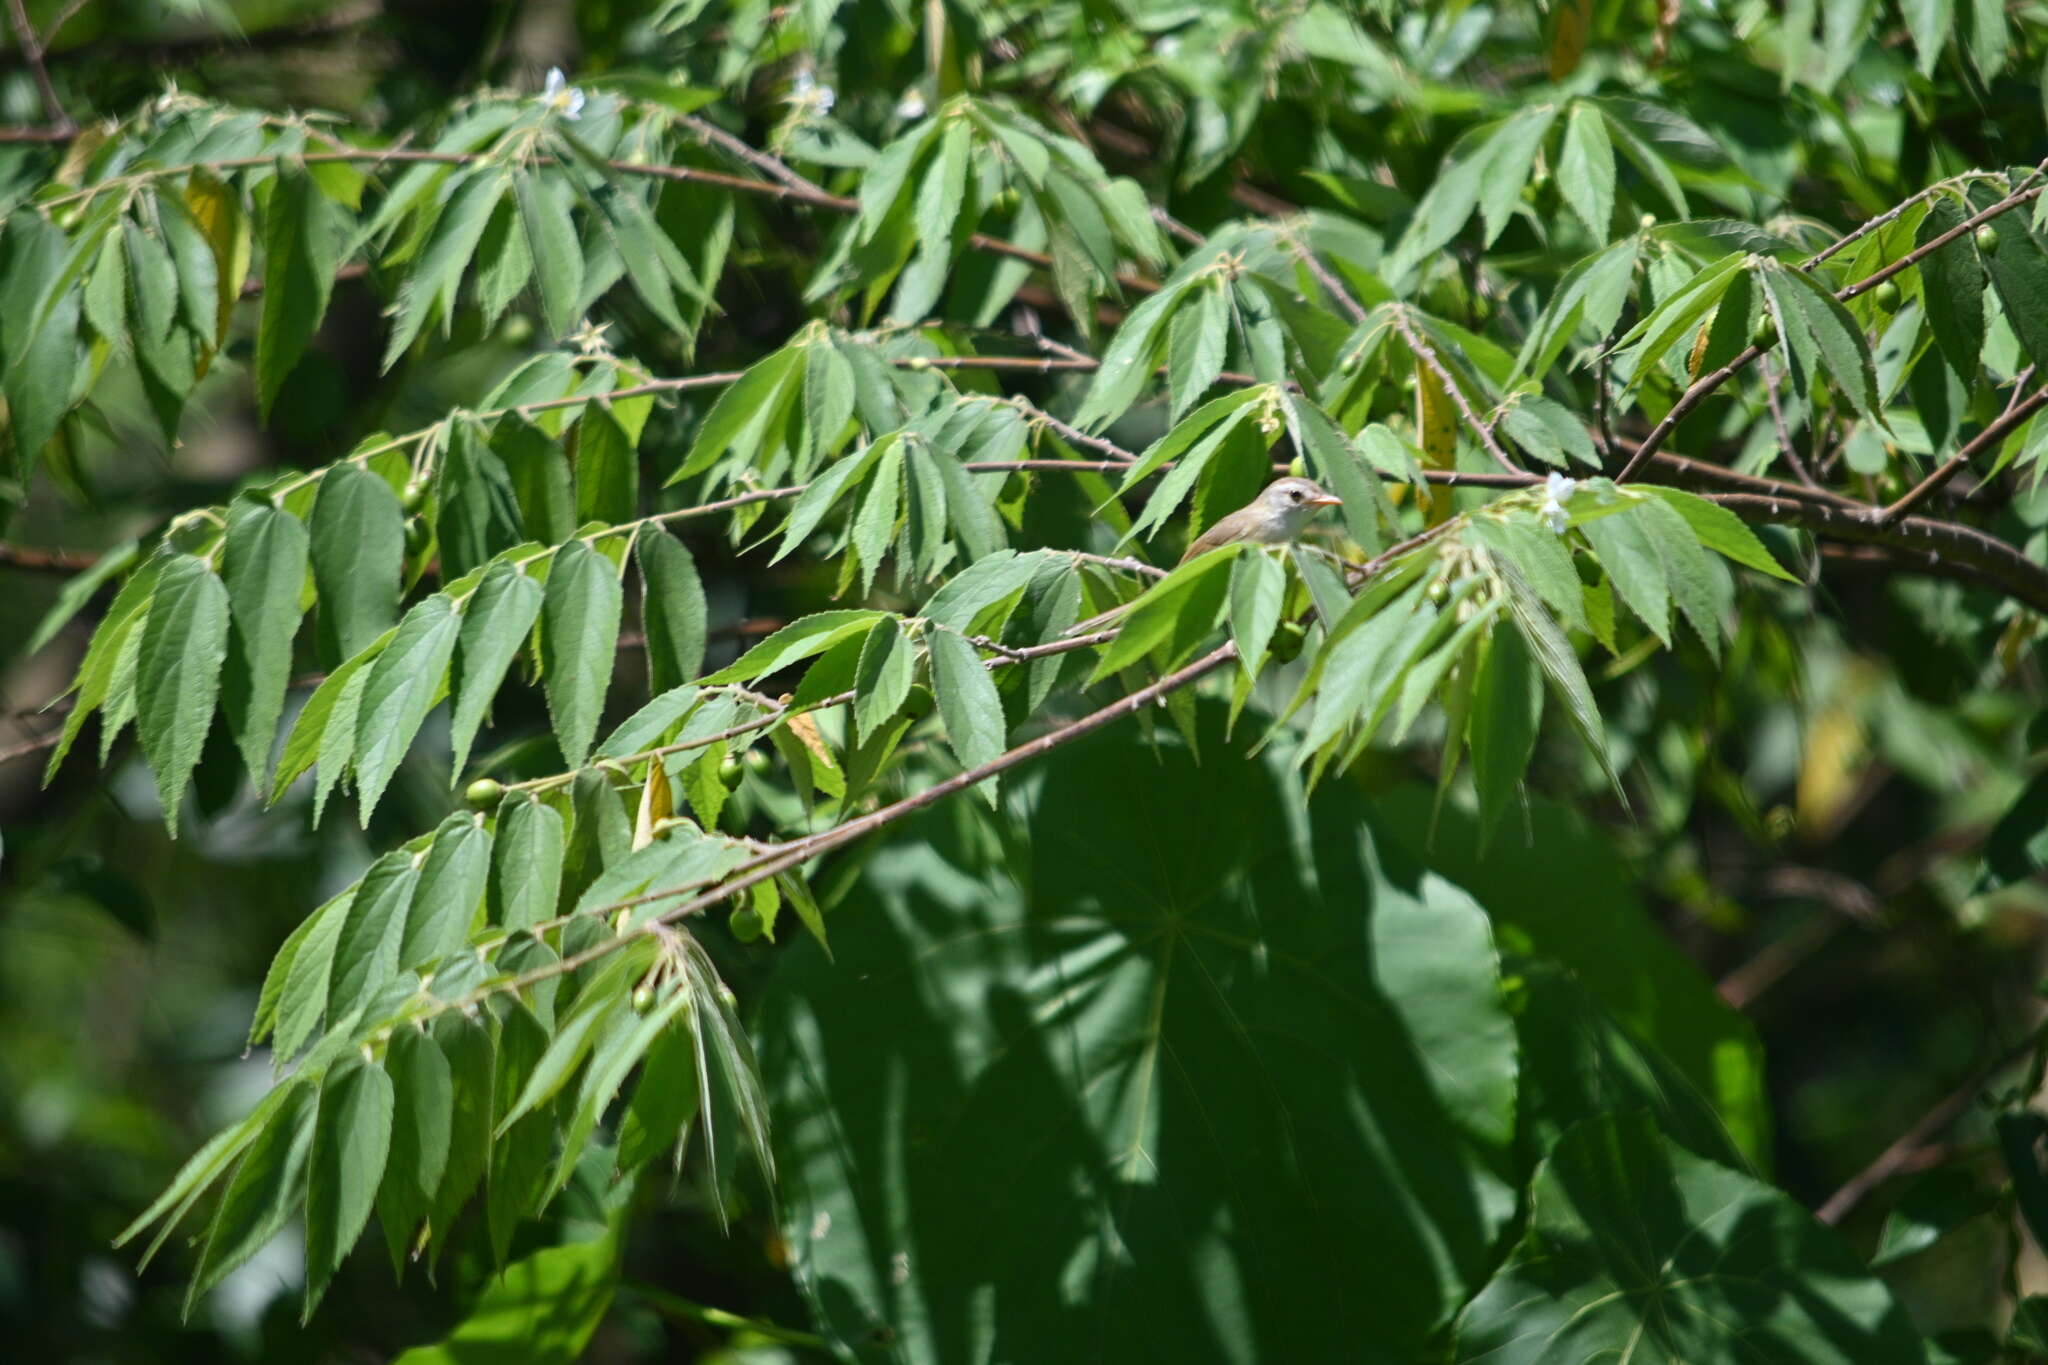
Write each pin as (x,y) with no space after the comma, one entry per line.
(1330,283)
(1428,356)
(771,166)
(40,560)
(1770,382)
(1917,542)
(2016,413)
(33,47)
(1896,1158)
(1698,391)
(787,857)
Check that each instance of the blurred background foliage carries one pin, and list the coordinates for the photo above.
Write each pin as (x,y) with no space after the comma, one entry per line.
(1813,911)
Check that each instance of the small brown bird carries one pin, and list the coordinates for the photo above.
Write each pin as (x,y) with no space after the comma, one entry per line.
(1274,517)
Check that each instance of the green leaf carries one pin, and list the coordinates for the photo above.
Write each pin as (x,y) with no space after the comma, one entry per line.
(1554,655)
(494,627)
(654,267)
(1637,570)
(1507,708)
(1176,614)
(1258,590)
(795,642)
(477,512)
(1506,161)
(744,411)
(1677,316)
(579,632)
(2019,275)
(1720,530)
(607,468)
(874,525)
(1713,1266)
(597,1005)
(303,235)
(624,1041)
(201,1169)
(1447,204)
(1588,299)
(264,567)
(1644,157)
(332,706)
(1843,347)
(450,888)
(1196,343)
(944,187)
(526,863)
(1585,169)
(366,953)
(1699,585)
(551,238)
(1127,365)
(968,702)
(1930,22)
(423,1110)
(472,1070)
(350,1143)
(38,335)
(882,681)
(430,288)
(1954,290)
(539,1310)
(408,678)
(268,1184)
(302,1001)
(672,610)
(184,643)
(664,1099)
(1053,1006)
(1544,559)
(357,550)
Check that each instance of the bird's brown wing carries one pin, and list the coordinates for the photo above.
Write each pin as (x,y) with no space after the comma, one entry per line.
(1227,531)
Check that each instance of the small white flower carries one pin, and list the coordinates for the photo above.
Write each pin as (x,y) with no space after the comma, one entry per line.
(805,93)
(557,94)
(1557,491)
(911,107)
(590,338)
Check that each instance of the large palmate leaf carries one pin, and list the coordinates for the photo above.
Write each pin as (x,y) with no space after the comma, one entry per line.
(1637,1249)
(1241,1035)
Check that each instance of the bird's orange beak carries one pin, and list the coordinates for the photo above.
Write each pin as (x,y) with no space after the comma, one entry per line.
(1326,501)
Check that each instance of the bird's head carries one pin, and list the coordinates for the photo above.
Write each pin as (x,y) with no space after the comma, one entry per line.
(1293,501)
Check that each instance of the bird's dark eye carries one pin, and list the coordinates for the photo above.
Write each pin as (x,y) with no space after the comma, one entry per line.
(1294,493)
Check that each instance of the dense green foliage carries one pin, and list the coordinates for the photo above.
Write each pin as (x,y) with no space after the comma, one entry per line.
(663,623)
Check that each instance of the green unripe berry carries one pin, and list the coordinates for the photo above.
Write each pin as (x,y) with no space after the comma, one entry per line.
(1987,239)
(757,761)
(516,329)
(1886,296)
(414,497)
(1287,641)
(919,703)
(1296,468)
(643,998)
(1765,334)
(1005,202)
(730,772)
(484,792)
(746,925)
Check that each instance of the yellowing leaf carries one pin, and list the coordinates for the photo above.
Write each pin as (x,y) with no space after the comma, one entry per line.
(1437,422)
